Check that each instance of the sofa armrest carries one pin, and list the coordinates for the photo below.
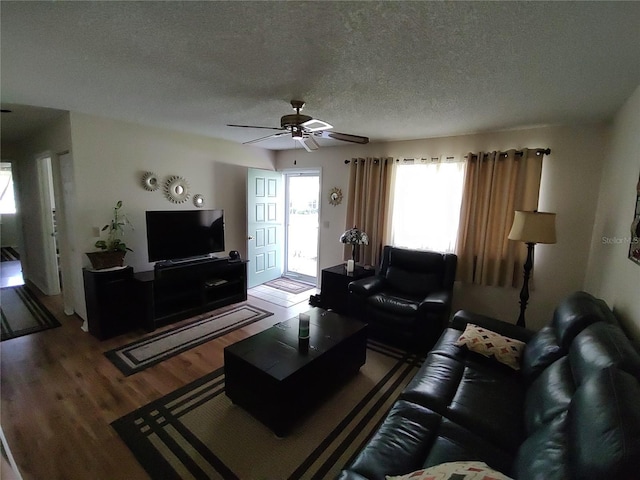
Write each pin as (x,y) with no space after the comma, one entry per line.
(438,301)
(462,317)
(367,286)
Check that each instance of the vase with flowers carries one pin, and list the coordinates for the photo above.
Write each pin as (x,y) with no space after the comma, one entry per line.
(112,249)
(354,237)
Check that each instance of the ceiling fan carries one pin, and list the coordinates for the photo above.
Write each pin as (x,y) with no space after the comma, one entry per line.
(304,128)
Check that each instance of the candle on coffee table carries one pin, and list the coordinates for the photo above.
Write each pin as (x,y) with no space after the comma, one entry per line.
(303,328)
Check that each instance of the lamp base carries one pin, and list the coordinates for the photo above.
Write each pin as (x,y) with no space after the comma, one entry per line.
(524,293)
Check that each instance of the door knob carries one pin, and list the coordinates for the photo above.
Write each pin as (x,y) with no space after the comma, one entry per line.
(250,237)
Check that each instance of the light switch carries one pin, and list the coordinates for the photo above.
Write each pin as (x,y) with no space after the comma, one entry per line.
(325,224)
(96,231)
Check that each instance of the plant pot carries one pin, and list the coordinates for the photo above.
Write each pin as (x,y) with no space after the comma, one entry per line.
(102,260)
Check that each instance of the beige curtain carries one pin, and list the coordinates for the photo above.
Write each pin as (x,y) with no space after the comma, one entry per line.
(369,194)
(496,184)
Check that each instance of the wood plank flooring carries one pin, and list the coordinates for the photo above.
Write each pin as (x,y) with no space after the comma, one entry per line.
(59,394)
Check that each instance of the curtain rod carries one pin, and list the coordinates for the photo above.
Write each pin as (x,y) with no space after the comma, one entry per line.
(545,151)
(347,162)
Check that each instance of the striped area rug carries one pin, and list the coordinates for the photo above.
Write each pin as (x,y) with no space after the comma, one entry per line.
(22,313)
(9,254)
(153,349)
(196,432)
(288,285)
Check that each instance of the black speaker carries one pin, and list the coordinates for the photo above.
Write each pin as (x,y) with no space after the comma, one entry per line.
(234,255)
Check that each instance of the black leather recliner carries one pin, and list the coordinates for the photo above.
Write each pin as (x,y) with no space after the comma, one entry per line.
(408,301)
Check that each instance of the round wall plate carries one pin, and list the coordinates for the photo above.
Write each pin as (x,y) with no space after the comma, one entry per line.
(176,189)
(150,181)
(335,196)
(198,200)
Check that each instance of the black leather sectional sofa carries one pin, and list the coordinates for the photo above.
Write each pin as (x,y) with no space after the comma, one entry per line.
(571,412)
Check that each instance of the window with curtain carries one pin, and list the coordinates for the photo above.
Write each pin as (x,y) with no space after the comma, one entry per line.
(426,205)
(7,201)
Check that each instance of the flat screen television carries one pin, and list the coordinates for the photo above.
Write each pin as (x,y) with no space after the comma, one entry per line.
(184,234)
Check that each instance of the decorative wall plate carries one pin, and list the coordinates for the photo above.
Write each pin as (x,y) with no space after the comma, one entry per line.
(150,181)
(198,200)
(335,196)
(176,189)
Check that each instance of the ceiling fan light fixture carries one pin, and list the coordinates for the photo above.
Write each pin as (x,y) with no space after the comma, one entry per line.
(315,125)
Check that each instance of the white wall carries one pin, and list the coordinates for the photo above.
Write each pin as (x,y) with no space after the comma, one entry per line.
(570,182)
(110,157)
(9,230)
(611,275)
(52,140)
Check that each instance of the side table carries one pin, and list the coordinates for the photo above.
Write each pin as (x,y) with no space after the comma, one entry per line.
(334,292)
(110,303)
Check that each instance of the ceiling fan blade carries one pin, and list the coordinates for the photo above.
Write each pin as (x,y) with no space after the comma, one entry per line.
(274,135)
(345,137)
(255,126)
(308,142)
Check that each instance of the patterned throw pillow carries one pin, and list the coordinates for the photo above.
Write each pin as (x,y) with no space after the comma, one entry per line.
(454,471)
(491,344)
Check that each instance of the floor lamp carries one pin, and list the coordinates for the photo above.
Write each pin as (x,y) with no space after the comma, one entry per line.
(531,228)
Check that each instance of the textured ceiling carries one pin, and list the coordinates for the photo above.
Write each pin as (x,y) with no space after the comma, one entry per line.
(387,70)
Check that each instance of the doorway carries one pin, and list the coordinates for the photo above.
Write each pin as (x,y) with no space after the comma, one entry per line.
(302,217)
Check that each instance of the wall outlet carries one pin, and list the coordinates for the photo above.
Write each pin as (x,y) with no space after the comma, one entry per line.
(96,231)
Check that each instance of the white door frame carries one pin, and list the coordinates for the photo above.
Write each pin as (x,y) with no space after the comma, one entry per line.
(63,187)
(290,172)
(51,277)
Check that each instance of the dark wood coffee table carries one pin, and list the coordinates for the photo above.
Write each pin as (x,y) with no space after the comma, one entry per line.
(277,382)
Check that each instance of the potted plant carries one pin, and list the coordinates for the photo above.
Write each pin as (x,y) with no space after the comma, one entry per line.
(113,249)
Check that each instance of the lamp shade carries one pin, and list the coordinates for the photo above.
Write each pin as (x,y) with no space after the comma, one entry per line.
(533,227)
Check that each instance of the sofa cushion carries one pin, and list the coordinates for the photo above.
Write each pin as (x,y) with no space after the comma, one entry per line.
(604,426)
(549,395)
(417,284)
(455,443)
(401,443)
(543,455)
(602,345)
(397,305)
(576,312)
(541,351)
(454,471)
(489,401)
(436,383)
(479,394)
(493,345)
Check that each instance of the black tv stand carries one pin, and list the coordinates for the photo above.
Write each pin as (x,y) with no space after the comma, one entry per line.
(174,291)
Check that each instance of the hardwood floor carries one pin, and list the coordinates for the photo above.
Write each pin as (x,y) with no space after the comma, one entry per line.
(59,394)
